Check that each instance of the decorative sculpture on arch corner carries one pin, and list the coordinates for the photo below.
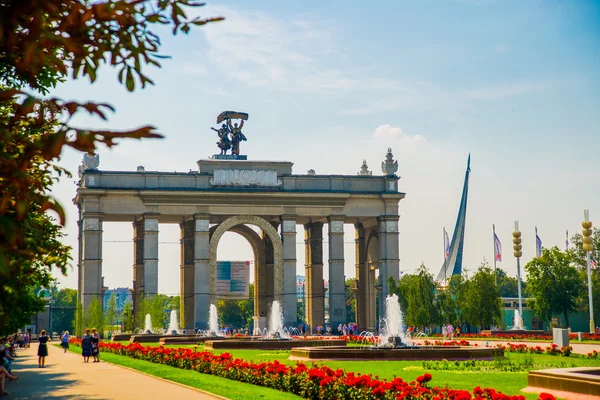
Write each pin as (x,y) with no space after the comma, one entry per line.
(230,135)
(389,167)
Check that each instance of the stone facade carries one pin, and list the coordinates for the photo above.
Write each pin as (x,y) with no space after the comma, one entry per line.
(230,195)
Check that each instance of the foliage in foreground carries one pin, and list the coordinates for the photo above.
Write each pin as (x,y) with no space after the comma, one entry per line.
(41,43)
(310,382)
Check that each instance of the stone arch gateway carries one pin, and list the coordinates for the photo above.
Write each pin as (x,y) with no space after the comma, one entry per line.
(228,195)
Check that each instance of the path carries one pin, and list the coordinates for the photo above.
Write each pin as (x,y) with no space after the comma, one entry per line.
(67,377)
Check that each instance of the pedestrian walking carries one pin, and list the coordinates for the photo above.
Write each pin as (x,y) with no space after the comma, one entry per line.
(64,341)
(43,349)
(444,331)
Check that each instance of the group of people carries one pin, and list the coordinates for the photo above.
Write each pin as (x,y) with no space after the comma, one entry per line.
(350,329)
(90,345)
(449,331)
(8,348)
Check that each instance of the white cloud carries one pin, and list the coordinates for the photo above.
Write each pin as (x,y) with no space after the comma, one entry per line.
(391,132)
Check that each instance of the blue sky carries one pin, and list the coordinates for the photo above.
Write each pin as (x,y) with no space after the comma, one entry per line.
(328,84)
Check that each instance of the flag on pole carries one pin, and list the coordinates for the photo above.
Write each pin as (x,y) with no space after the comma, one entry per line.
(446,245)
(497,248)
(538,246)
(567,240)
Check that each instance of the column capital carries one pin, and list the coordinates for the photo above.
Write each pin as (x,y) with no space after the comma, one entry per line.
(288,223)
(92,224)
(388,223)
(336,224)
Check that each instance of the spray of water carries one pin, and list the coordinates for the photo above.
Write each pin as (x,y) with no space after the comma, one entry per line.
(173,323)
(213,320)
(392,324)
(148,324)
(276,321)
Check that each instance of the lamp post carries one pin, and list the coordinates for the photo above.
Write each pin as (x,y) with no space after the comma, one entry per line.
(517,247)
(588,247)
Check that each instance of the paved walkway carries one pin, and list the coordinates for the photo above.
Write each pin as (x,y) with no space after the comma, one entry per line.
(67,377)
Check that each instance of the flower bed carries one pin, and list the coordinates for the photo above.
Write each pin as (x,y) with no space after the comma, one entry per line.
(516,336)
(310,382)
(552,350)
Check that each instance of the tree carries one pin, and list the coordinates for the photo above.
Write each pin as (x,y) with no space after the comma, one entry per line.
(507,285)
(64,304)
(110,314)
(447,307)
(40,44)
(156,309)
(416,295)
(230,314)
(247,308)
(481,302)
(94,317)
(127,317)
(79,321)
(350,301)
(554,283)
(579,256)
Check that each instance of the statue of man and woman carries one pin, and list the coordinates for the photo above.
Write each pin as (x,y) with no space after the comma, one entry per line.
(230,136)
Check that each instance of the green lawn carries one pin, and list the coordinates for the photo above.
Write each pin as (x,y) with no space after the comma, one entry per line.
(506,382)
(213,384)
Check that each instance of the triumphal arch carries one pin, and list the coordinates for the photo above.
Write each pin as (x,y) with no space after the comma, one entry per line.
(229,193)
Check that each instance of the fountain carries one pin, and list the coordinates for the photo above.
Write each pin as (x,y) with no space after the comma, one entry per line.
(173,328)
(392,335)
(517,321)
(148,325)
(391,345)
(212,333)
(213,321)
(275,337)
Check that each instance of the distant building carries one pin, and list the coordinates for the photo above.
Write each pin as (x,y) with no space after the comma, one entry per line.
(301,290)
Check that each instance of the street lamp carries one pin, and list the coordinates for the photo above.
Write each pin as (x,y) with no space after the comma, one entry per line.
(588,247)
(517,247)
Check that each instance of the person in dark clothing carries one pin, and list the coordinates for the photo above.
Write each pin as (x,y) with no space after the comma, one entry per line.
(43,349)
(86,345)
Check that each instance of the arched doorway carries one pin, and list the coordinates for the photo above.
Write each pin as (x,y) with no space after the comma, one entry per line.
(268,287)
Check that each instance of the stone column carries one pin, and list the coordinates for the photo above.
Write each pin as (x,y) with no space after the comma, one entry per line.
(337,284)
(186,284)
(288,237)
(204,278)
(150,255)
(361,277)
(389,256)
(138,264)
(91,281)
(269,273)
(315,290)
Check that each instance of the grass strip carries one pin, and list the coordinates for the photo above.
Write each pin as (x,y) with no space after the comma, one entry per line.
(213,384)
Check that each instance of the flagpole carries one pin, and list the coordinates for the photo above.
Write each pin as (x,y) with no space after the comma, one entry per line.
(567,241)
(495,255)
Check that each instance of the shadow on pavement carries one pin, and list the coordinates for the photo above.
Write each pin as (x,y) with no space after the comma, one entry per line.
(36,383)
